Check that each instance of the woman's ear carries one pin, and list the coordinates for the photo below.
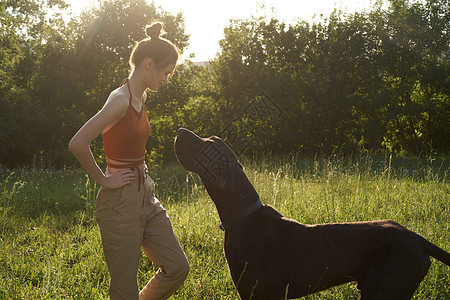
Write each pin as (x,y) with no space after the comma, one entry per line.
(149,63)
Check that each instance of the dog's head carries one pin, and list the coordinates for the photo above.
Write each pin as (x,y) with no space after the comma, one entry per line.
(214,161)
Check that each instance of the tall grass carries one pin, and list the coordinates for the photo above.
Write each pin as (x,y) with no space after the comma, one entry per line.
(51,246)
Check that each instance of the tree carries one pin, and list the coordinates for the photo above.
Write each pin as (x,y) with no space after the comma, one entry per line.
(26,33)
(366,80)
(55,75)
(415,41)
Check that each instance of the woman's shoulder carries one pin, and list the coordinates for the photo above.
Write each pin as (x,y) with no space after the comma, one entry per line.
(115,108)
(118,98)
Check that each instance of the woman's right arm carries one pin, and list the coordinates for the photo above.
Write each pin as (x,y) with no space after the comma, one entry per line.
(113,110)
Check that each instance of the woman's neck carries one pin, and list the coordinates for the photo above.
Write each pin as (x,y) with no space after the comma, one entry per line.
(137,84)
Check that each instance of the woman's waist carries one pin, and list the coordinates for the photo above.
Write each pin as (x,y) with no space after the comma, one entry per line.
(115,164)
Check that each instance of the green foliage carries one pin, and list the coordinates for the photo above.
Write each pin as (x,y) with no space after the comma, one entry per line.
(353,82)
(375,80)
(56,75)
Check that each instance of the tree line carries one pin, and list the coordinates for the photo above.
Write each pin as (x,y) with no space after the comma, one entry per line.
(376,80)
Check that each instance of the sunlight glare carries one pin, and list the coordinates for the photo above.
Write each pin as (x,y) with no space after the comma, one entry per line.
(205,19)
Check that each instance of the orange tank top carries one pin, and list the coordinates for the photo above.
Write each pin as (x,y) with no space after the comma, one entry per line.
(126,140)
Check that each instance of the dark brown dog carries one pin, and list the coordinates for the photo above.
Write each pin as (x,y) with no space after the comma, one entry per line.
(271,257)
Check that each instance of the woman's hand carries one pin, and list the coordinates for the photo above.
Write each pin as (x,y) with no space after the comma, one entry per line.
(118,179)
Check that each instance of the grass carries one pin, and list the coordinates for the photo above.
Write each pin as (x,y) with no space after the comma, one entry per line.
(51,246)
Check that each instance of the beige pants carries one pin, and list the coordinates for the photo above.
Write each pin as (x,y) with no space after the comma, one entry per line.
(130,219)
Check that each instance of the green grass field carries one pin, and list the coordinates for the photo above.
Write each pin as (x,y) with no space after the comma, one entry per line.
(51,247)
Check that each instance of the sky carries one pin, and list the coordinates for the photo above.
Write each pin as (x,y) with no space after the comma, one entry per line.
(205,19)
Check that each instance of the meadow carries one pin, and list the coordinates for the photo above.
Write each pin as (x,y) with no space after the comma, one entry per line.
(51,245)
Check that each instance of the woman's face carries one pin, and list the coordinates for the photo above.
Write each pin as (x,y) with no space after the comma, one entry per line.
(159,76)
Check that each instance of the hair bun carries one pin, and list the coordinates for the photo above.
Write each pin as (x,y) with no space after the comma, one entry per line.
(154,30)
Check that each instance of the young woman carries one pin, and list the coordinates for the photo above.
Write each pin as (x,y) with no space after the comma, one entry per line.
(130,217)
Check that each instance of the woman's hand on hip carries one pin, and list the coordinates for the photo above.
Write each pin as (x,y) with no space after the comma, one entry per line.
(119,178)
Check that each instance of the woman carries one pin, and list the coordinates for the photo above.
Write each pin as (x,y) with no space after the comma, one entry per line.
(128,213)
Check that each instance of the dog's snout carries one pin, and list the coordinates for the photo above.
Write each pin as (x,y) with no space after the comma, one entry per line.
(181,131)
(187,134)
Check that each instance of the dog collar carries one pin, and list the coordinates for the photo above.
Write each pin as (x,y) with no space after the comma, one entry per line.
(241,215)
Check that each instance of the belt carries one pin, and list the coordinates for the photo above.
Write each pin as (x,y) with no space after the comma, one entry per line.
(129,165)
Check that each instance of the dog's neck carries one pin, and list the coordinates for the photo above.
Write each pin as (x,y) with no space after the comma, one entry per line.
(229,203)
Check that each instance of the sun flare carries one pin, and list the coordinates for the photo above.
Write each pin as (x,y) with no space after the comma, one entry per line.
(205,21)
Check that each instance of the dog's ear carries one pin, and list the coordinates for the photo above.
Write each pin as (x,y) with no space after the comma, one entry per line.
(238,183)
